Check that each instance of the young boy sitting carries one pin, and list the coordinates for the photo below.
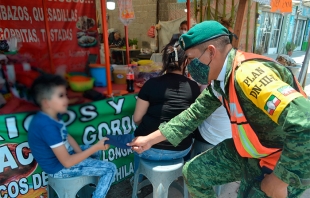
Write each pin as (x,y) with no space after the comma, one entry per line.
(57,153)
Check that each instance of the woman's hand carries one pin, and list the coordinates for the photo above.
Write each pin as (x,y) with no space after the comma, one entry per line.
(101,145)
(274,187)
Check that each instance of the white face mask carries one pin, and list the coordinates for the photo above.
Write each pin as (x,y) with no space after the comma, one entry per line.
(183,31)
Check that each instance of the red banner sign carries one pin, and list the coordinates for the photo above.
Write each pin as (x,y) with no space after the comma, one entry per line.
(72,29)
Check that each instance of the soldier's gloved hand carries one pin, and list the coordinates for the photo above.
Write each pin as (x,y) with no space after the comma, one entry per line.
(274,187)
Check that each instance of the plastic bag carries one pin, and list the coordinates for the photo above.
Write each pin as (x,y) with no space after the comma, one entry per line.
(126,12)
(151,32)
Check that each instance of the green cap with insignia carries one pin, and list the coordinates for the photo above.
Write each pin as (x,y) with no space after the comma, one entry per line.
(203,32)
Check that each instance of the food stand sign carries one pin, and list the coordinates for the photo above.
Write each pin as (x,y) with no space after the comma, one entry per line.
(73,30)
(20,175)
(283,6)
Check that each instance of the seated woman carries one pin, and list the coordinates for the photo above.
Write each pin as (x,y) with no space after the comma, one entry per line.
(115,41)
(162,98)
(214,129)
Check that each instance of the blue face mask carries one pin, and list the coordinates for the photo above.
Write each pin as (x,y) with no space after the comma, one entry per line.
(199,71)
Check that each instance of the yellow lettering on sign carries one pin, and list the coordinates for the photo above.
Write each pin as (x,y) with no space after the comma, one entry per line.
(264,88)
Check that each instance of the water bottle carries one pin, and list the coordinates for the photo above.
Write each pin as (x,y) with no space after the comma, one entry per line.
(130,77)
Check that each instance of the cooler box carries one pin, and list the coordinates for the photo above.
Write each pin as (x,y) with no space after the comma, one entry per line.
(98,72)
(119,74)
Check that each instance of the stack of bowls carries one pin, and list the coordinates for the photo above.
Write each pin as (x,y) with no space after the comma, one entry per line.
(81,83)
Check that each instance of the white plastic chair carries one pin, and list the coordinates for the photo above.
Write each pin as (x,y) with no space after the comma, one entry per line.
(161,174)
(69,187)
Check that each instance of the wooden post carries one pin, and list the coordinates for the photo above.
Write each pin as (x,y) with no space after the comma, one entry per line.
(255,28)
(157,20)
(238,26)
(106,45)
(200,11)
(247,27)
(188,7)
(48,37)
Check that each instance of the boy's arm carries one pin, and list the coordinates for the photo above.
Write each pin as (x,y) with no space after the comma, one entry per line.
(74,144)
(68,160)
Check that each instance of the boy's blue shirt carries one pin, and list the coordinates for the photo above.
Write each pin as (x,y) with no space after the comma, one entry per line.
(44,134)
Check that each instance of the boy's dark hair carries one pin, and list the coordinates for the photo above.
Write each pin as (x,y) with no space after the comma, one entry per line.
(42,87)
(183,23)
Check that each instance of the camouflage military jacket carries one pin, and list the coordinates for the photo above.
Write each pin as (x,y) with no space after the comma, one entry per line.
(291,133)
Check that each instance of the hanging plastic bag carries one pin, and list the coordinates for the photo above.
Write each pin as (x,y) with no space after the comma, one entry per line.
(151,32)
(126,12)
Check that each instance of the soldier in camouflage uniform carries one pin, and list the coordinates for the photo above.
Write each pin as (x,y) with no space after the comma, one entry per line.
(207,46)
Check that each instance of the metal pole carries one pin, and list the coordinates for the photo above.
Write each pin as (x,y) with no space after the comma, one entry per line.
(48,37)
(295,26)
(304,69)
(127,45)
(106,45)
(188,7)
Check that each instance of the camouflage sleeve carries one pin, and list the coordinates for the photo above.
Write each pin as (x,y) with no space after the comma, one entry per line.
(294,164)
(186,122)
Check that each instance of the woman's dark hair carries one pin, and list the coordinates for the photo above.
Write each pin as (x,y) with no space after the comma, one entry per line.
(169,58)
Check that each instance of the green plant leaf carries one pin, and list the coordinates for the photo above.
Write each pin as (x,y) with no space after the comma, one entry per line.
(290,46)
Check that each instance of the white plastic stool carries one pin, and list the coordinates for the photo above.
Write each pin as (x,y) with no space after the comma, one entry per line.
(200,147)
(160,174)
(69,187)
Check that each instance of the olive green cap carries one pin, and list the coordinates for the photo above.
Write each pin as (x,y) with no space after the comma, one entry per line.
(203,32)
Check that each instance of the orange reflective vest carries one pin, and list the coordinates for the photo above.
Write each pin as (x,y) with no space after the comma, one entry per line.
(245,139)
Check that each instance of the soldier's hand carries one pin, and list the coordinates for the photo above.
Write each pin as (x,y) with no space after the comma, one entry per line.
(274,187)
(140,144)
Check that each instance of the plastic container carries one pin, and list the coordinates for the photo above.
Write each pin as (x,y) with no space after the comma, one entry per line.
(130,79)
(81,83)
(99,73)
(145,62)
(119,74)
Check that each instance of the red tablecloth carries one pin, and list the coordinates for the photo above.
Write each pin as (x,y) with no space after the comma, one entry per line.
(16,105)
